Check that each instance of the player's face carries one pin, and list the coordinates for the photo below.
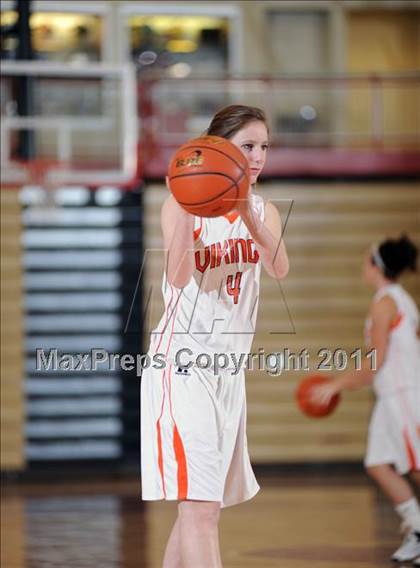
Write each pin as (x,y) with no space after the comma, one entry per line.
(252,139)
(369,269)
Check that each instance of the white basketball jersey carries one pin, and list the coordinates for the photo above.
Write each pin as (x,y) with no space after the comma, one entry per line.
(216,311)
(401,367)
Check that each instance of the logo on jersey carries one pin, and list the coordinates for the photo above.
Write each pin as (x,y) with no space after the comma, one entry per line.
(183,371)
(195,158)
(232,251)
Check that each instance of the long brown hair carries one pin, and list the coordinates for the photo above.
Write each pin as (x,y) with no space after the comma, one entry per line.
(230,119)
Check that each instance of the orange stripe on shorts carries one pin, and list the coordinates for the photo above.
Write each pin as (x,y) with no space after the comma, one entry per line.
(181,460)
(410,451)
(160,455)
(182,475)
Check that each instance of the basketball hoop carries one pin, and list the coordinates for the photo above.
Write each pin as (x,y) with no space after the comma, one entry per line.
(112,156)
(44,174)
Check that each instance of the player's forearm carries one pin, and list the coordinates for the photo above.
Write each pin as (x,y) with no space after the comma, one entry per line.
(356,379)
(180,259)
(272,251)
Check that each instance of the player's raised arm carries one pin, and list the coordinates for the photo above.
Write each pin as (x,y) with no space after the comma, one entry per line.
(177,228)
(267,233)
(268,238)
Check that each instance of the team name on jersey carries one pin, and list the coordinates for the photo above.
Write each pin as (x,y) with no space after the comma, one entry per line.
(230,252)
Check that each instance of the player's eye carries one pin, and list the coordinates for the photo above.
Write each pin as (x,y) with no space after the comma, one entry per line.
(265,147)
(247,147)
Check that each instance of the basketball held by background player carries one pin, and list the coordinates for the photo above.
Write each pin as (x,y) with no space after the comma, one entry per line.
(392,329)
(194,446)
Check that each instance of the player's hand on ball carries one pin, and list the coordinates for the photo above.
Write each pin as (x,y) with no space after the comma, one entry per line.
(322,394)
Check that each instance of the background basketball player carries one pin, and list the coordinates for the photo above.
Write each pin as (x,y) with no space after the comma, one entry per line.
(394,432)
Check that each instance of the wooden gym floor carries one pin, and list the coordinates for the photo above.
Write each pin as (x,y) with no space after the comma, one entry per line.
(306,520)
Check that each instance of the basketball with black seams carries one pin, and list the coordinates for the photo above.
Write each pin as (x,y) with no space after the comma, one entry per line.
(306,402)
(208,175)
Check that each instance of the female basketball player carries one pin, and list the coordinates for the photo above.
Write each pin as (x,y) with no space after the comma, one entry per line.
(394,432)
(194,446)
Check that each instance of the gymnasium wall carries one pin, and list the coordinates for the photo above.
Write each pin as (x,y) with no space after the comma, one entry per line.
(384,42)
(321,304)
(12,333)
(329,228)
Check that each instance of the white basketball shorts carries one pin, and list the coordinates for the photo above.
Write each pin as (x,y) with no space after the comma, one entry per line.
(394,432)
(193,436)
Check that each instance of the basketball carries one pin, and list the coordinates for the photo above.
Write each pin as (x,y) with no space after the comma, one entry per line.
(208,175)
(304,398)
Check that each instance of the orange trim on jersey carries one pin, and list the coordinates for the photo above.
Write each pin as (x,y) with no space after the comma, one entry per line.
(159,436)
(160,454)
(231,217)
(159,432)
(396,321)
(166,321)
(182,475)
(410,451)
(197,232)
(182,465)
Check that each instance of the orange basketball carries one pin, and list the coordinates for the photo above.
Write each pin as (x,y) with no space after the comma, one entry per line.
(304,397)
(208,175)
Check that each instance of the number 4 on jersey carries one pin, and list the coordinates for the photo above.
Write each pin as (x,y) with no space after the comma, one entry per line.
(233,289)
